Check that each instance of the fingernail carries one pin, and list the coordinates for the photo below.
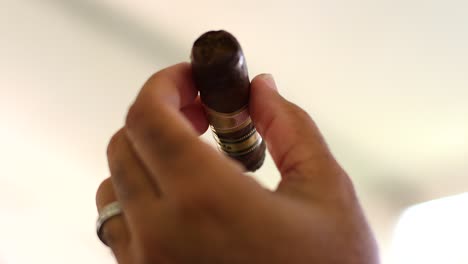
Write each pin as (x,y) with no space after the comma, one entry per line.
(269,80)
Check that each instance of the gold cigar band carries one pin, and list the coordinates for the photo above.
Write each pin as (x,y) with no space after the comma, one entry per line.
(228,122)
(241,146)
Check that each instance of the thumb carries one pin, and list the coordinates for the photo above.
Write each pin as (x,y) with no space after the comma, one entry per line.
(293,140)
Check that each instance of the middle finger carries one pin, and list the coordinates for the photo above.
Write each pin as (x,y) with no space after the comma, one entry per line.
(133,186)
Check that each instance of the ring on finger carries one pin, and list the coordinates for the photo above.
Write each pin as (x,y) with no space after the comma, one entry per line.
(109,211)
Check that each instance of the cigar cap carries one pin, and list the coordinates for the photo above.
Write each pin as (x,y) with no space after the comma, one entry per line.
(216,48)
(220,72)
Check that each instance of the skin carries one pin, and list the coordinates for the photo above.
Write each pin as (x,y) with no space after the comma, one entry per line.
(184,202)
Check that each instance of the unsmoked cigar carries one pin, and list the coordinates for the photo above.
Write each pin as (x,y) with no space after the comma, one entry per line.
(220,74)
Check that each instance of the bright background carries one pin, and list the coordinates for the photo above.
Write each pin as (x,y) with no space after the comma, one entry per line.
(386,80)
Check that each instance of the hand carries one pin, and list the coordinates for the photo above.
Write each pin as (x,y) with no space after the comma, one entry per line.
(184,202)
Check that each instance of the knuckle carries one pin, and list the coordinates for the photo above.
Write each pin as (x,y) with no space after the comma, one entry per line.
(298,113)
(154,132)
(102,192)
(154,78)
(299,120)
(137,110)
(134,114)
(306,129)
(111,146)
(343,189)
(114,143)
(104,185)
(143,107)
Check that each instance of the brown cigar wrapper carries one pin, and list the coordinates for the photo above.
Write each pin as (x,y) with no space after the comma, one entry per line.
(220,74)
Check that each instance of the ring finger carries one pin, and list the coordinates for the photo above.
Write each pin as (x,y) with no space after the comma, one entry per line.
(114,231)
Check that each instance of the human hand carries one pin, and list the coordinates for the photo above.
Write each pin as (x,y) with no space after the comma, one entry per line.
(184,202)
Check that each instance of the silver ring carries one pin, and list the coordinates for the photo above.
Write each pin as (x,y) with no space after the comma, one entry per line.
(109,211)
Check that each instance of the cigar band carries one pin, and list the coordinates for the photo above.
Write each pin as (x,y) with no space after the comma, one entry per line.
(240,146)
(228,122)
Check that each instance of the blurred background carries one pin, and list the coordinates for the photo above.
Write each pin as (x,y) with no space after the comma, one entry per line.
(386,80)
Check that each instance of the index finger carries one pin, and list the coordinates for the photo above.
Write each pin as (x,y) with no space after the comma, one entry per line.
(166,142)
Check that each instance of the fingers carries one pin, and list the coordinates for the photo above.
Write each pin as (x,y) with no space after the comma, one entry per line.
(114,231)
(166,142)
(133,186)
(293,139)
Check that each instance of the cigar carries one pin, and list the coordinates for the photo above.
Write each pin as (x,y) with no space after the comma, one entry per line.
(220,74)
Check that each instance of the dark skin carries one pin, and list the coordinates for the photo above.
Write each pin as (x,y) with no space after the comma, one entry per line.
(184,202)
